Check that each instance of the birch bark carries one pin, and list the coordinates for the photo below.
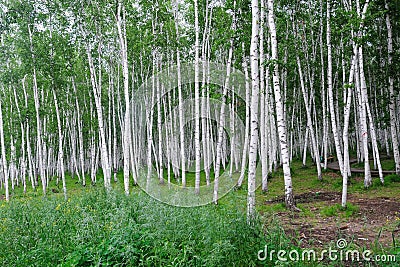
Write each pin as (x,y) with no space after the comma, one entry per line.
(330,90)
(180,100)
(281,121)
(255,82)
(38,122)
(3,155)
(96,87)
(60,146)
(125,72)
(247,122)
(392,108)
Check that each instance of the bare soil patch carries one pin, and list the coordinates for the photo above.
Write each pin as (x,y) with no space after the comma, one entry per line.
(377,222)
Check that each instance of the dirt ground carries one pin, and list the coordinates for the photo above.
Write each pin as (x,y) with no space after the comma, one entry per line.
(376,223)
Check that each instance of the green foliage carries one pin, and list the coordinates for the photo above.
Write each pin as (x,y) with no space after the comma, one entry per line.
(387,164)
(280,207)
(338,210)
(392,178)
(110,230)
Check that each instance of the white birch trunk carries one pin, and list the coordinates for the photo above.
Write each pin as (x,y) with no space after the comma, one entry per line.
(3,155)
(38,122)
(346,169)
(330,90)
(180,100)
(309,121)
(96,86)
(60,147)
(221,122)
(281,121)
(197,97)
(392,108)
(263,110)
(159,127)
(125,73)
(254,61)
(363,100)
(80,135)
(247,123)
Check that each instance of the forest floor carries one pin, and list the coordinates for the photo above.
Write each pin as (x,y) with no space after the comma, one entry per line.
(94,223)
(372,219)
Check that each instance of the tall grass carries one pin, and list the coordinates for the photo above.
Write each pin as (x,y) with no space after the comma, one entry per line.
(99,229)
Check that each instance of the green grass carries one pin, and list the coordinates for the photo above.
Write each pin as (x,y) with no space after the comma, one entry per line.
(272,208)
(338,210)
(99,229)
(392,178)
(305,180)
(387,164)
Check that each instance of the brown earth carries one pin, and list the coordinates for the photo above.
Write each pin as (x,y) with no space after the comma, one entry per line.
(376,223)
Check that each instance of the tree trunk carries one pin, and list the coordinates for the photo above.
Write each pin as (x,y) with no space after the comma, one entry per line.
(263,107)
(247,123)
(60,147)
(180,100)
(254,60)
(3,154)
(330,90)
(281,120)
(309,121)
(392,108)
(38,122)
(197,97)
(96,86)
(125,72)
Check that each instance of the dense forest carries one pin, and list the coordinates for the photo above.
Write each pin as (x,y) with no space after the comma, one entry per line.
(203,95)
(199,133)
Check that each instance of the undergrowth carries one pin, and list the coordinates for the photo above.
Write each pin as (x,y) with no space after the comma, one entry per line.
(100,229)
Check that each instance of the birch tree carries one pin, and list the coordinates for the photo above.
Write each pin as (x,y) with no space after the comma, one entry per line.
(281,121)
(197,96)
(330,88)
(38,121)
(125,72)
(392,108)
(180,99)
(96,87)
(221,122)
(3,154)
(255,82)
(60,147)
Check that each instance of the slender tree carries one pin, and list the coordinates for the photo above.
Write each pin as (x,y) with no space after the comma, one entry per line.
(281,121)
(392,108)
(255,87)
